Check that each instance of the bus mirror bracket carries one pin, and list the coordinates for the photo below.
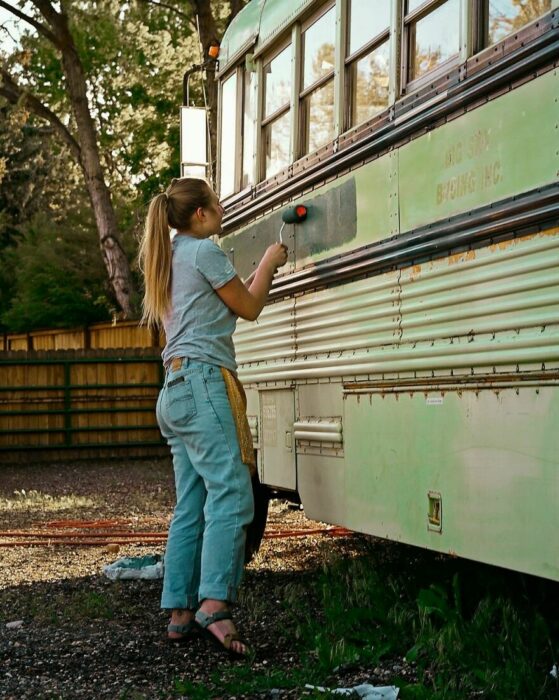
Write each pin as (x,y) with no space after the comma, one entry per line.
(194,128)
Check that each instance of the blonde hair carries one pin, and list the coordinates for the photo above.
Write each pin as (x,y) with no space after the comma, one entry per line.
(173,208)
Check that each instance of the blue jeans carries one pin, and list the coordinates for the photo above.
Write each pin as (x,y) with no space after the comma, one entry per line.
(205,548)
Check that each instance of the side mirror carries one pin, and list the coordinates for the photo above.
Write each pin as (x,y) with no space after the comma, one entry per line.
(194,152)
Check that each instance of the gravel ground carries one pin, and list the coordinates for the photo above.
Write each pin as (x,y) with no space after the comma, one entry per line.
(83,636)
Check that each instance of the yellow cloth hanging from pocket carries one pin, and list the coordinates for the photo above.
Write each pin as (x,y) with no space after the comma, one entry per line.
(238,401)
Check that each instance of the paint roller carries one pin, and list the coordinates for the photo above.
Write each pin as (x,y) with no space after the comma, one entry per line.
(292,215)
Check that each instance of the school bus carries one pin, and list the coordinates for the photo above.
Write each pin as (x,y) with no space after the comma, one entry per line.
(402,381)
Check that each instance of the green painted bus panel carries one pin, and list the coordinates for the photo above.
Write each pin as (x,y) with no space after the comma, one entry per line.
(491,456)
(503,148)
(377,199)
(243,27)
(261,19)
(376,203)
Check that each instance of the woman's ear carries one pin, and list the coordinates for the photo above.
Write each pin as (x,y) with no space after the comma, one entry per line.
(200,214)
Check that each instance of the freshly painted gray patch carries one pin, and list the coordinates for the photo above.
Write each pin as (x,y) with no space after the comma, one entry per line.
(331,222)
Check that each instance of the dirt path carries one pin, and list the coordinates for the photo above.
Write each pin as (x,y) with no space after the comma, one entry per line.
(83,636)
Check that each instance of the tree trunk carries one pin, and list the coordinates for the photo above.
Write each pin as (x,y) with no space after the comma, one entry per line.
(114,257)
(209,34)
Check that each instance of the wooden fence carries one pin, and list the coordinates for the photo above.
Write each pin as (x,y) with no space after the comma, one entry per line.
(123,334)
(80,403)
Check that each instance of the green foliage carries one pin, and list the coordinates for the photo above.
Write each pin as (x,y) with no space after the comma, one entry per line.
(58,277)
(360,619)
(134,56)
(36,175)
(493,646)
(498,650)
(243,679)
(90,605)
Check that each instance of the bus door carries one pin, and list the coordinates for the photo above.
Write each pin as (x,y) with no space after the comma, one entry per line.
(277,462)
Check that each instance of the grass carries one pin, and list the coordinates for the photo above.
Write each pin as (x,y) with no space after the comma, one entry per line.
(492,642)
(23,501)
(465,631)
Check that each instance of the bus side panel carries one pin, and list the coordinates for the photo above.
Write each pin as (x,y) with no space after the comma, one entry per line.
(490,458)
(496,306)
(506,147)
(321,463)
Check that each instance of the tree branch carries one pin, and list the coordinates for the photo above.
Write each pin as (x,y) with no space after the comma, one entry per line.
(45,31)
(14,94)
(57,20)
(169,7)
(4,28)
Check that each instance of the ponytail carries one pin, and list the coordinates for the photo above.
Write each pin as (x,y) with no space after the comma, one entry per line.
(171,209)
(155,262)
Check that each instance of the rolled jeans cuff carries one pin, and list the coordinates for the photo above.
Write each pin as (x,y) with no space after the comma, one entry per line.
(219,592)
(191,603)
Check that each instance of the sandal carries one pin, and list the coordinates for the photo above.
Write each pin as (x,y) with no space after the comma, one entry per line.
(203,620)
(188,631)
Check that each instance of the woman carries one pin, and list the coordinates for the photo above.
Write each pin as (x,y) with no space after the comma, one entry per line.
(194,291)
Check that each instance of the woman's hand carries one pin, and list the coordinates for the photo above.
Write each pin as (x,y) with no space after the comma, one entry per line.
(248,303)
(275,256)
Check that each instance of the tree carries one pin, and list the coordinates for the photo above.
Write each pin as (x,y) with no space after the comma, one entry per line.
(213,17)
(106,78)
(56,28)
(59,282)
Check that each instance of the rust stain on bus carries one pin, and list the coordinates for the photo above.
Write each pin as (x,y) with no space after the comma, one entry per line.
(511,242)
(414,271)
(461,257)
(451,383)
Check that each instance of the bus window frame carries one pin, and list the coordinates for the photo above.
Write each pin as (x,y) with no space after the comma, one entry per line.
(372,45)
(262,121)
(240,70)
(408,85)
(302,93)
(472,41)
(237,174)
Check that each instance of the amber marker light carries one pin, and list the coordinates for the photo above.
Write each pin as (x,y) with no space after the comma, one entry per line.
(213,51)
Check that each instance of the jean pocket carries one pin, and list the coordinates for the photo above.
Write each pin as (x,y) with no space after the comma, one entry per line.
(180,403)
(213,374)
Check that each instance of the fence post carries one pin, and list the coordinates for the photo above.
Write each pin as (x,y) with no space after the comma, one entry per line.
(67,404)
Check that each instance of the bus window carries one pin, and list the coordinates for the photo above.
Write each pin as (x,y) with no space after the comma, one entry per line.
(368,59)
(276,120)
(228,136)
(317,96)
(507,16)
(277,141)
(249,127)
(433,34)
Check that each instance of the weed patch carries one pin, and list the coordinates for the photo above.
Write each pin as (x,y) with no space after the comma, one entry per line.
(361,613)
(36,500)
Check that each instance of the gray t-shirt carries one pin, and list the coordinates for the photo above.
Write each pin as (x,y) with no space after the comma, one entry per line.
(199,326)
